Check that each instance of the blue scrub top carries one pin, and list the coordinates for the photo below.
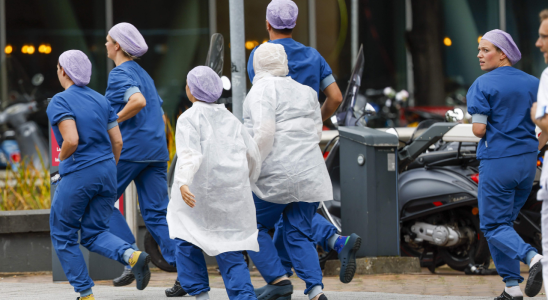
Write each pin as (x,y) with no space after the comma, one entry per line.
(502,99)
(306,65)
(93,116)
(144,135)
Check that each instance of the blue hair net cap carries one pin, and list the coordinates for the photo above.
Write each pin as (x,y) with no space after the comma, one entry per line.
(504,42)
(282,14)
(204,84)
(77,66)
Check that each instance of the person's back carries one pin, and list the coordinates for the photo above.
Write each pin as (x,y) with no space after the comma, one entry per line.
(294,169)
(306,65)
(510,94)
(147,122)
(91,111)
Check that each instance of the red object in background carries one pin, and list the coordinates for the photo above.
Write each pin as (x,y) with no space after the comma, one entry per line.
(55,150)
(437,203)
(475,177)
(15,157)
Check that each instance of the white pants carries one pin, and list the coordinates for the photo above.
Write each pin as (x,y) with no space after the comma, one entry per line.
(544,224)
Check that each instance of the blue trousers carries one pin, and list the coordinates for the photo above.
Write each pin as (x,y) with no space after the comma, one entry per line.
(84,200)
(322,230)
(192,272)
(504,186)
(297,237)
(151,182)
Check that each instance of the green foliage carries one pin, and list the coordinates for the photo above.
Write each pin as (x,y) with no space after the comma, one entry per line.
(26,188)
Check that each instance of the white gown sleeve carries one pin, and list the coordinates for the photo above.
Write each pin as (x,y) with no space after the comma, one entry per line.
(262,109)
(189,152)
(253,156)
(542,96)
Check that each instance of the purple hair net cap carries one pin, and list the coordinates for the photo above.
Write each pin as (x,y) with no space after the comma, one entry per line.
(282,14)
(204,84)
(129,38)
(77,66)
(504,42)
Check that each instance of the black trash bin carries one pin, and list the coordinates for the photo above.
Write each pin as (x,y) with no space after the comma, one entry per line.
(369,191)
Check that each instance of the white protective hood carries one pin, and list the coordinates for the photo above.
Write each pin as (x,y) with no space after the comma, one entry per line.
(284,118)
(217,159)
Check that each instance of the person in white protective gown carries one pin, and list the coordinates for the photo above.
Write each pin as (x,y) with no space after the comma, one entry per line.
(539,113)
(284,118)
(211,206)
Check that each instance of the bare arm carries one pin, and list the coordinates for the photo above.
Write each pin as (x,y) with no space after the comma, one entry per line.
(479,129)
(542,139)
(135,103)
(70,138)
(116,140)
(332,102)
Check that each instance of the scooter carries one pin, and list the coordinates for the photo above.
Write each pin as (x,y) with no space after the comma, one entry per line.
(437,196)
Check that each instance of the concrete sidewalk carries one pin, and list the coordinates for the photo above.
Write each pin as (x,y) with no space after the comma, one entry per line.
(58,291)
(445,284)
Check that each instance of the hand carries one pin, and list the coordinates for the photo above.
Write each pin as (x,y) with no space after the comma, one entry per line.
(188,197)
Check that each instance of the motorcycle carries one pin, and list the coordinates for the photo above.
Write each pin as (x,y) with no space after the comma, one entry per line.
(23,139)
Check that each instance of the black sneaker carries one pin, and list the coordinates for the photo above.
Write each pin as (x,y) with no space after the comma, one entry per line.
(506,296)
(348,258)
(125,279)
(322,297)
(534,282)
(176,291)
(139,267)
(279,291)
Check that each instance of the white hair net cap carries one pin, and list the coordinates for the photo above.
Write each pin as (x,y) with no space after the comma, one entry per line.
(270,59)
(204,84)
(129,38)
(77,66)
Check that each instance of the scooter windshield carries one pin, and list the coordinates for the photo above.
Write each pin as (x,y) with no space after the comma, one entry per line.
(345,116)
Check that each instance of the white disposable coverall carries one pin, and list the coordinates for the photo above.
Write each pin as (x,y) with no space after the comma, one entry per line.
(542,195)
(284,118)
(217,159)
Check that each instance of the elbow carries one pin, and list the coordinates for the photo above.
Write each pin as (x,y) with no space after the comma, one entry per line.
(479,132)
(71,142)
(119,143)
(338,99)
(142,103)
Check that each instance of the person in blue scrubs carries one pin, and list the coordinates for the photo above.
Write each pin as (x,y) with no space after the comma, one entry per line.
(144,157)
(86,128)
(308,67)
(499,102)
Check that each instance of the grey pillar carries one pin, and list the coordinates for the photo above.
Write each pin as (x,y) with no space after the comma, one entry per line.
(212,17)
(502,14)
(3,69)
(109,17)
(409,58)
(312,23)
(354,24)
(237,56)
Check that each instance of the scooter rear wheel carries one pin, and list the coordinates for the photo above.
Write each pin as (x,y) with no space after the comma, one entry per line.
(458,258)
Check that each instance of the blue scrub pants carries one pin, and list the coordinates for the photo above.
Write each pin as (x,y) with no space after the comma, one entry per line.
(151,182)
(322,230)
(84,200)
(504,186)
(297,237)
(193,276)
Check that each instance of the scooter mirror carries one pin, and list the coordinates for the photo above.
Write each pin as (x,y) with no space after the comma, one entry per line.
(37,79)
(370,110)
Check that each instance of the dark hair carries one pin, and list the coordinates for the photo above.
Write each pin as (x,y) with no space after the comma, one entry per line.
(285,31)
(543,15)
